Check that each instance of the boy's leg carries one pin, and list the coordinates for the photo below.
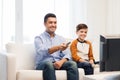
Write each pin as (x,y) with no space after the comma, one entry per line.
(87,67)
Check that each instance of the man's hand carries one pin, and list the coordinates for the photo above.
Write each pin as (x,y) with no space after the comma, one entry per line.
(60,47)
(63,46)
(58,64)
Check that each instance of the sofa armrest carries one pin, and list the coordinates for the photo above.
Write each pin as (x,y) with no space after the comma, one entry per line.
(7,66)
(3,67)
(11,66)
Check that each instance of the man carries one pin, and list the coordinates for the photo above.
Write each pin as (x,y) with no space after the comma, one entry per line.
(52,53)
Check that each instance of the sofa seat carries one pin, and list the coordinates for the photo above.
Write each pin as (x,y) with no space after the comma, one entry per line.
(37,74)
(21,56)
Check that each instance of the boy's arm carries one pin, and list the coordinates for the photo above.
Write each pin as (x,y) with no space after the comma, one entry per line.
(73,49)
(90,54)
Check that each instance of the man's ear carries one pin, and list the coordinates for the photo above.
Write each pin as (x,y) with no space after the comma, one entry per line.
(76,32)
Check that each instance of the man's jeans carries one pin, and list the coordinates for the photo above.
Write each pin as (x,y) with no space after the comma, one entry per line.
(49,70)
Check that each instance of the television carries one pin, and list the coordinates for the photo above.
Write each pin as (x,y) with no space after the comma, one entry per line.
(109,53)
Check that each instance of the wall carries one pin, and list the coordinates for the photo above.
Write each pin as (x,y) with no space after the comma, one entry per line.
(103,17)
(113,17)
(96,21)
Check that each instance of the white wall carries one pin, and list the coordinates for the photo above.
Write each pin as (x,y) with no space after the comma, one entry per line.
(113,17)
(103,17)
(96,21)
(78,15)
(0,24)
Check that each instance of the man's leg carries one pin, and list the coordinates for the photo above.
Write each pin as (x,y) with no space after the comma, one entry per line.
(48,70)
(87,67)
(72,70)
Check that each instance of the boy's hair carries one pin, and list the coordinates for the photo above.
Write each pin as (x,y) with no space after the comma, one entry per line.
(49,15)
(81,26)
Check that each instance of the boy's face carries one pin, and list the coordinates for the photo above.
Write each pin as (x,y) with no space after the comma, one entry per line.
(82,33)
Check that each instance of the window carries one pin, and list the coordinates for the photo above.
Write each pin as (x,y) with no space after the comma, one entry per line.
(22,20)
(7,21)
(0,24)
(34,13)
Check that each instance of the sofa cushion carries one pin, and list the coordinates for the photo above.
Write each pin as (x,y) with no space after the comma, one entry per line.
(37,74)
(24,53)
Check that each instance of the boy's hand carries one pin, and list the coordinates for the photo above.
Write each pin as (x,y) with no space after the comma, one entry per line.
(82,60)
(92,63)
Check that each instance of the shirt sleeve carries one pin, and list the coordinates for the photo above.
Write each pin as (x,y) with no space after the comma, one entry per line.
(90,54)
(67,54)
(73,49)
(40,47)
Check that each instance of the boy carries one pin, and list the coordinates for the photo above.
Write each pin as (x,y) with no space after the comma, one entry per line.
(81,50)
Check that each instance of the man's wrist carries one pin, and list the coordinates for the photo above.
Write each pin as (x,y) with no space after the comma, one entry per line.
(67,59)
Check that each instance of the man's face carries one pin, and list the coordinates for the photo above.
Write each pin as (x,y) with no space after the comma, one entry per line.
(82,33)
(51,24)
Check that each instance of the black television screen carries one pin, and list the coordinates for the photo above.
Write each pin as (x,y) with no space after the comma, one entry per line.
(109,52)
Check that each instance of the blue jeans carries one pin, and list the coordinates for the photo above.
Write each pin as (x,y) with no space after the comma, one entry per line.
(86,66)
(49,70)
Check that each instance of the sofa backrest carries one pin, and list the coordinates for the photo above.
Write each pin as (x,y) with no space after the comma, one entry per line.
(25,54)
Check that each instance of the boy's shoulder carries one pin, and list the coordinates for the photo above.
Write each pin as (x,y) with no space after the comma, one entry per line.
(88,42)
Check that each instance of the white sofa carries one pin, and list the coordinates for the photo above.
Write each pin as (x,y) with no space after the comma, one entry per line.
(20,64)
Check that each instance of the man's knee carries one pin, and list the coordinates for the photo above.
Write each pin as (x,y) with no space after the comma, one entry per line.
(48,65)
(72,63)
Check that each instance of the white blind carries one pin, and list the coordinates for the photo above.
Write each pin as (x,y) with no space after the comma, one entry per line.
(22,20)
(7,24)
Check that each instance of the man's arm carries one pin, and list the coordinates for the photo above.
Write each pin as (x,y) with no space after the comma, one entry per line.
(54,49)
(40,46)
(60,47)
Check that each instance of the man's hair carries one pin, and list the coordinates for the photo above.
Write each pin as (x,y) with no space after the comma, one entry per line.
(81,26)
(49,15)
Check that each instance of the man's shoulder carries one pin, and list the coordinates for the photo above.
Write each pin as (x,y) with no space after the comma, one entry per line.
(40,35)
(60,37)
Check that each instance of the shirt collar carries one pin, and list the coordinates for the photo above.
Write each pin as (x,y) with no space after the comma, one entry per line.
(81,41)
(47,34)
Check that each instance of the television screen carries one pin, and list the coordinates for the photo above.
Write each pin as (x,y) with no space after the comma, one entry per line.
(109,52)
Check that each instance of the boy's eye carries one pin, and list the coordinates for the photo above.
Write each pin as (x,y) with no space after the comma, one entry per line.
(81,31)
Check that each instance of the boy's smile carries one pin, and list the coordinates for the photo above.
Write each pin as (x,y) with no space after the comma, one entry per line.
(82,33)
